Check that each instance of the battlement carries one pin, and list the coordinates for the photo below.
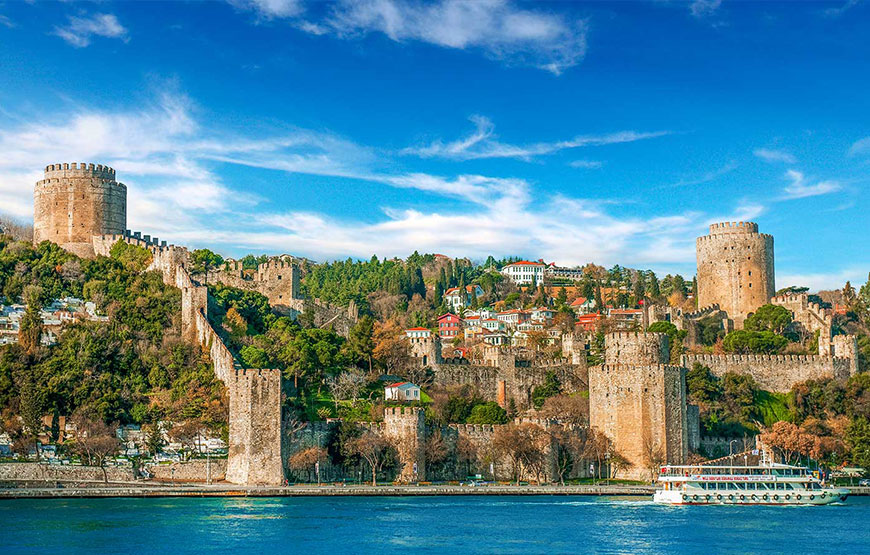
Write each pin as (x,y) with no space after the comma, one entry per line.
(58,171)
(760,358)
(651,369)
(733,227)
(634,335)
(473,429)
(701,312)
(409,413)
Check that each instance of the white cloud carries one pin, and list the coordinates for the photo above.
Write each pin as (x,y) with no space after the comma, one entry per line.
(860,147)
(801,187)
(772,155)
(498,28)
(586,164)
(269,9)
(823,281)
(167,159)
(840,10)
(704,8)
(80,30)
(6,22)
(483,143)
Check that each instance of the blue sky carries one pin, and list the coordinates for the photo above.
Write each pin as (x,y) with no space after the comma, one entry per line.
(601,132)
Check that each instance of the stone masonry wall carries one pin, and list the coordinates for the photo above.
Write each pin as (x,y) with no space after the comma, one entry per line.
(735,269)
(34,472)
(255,454)
(75,202)
(197,470)
(641,408)
(775,372)
(641,348)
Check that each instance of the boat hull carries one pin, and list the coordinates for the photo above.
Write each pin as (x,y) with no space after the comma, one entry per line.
(815,497)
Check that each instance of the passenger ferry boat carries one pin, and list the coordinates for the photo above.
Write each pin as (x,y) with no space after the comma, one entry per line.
(766,484)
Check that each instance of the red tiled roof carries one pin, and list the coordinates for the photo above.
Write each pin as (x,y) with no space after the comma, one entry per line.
(397,384)
(417,329)
(524,263)
(578,301)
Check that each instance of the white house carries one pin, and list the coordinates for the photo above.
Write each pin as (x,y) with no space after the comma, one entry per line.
(582,305)
(418,333)
(402,391)
(525,272)
(455,299)
(543,314)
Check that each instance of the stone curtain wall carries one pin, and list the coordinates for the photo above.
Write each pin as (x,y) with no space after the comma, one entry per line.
(735,269)
(777,373)
(640,407)
(26,472)
(75,202)
(516,378)
(197,470)
(255,445)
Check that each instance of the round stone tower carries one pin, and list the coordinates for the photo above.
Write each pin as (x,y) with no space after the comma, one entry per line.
(735,269)
(76,202)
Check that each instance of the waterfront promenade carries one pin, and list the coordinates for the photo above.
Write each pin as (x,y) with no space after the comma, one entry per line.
(144,489)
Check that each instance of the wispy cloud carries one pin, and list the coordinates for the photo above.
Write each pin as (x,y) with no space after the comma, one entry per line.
(586,164)
(860,147)
(483,143)
(80,30)
(801,187)
(6,22)
(269,9)
(843,8)
(176,191)
(704,8)
(773,155)
(497,28)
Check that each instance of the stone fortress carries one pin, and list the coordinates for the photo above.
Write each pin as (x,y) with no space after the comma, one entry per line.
(76,202)
(636,397)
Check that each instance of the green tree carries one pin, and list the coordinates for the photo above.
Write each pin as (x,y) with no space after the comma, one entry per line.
(360,341)
(769,317)
(858,441)
(31,325)
(488,413)
(549,388)
(759,342)
(204,261)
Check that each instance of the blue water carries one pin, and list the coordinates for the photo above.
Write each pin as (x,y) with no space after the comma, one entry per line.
(459,525)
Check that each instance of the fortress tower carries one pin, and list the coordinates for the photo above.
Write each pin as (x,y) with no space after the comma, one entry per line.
(76,202)
(735,269)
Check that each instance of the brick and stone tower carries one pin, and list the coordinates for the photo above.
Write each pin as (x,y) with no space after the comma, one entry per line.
(75,202)
(406,427)
(735,269)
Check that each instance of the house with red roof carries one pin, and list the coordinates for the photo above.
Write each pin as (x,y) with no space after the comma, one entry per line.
(525,272)
(582,305)
(418,333)
(402,391)
(449,326)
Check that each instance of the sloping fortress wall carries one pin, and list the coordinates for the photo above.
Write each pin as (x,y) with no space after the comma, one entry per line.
(776,372)
(642,409)
(75,202)
(735,269)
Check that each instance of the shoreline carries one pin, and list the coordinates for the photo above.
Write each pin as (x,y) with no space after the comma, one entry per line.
(230,490)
